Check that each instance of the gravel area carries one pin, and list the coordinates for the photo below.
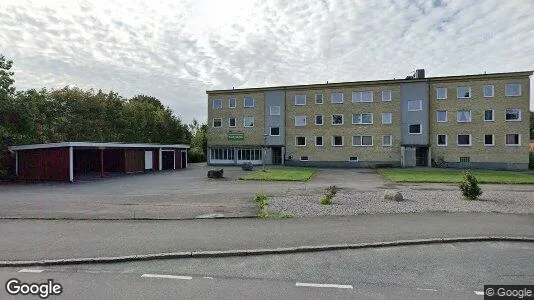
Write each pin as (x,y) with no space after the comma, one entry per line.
(348,202)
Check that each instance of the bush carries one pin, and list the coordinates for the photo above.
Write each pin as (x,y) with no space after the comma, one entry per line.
(531,161)
(329,195)
(469,186)
(195,156)
(262,202)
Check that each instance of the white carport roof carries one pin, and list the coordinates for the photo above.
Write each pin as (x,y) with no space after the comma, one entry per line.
(94,145)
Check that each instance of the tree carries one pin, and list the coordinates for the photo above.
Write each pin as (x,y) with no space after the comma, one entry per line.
(6,78)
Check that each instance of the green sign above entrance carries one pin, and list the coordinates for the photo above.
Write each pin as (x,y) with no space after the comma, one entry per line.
(236,136)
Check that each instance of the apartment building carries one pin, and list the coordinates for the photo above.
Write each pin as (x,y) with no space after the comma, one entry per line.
(470,121)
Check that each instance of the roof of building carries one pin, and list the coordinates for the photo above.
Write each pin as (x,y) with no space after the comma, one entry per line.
(369,82)
(93,145)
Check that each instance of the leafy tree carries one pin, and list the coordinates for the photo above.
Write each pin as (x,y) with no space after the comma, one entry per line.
(6,78)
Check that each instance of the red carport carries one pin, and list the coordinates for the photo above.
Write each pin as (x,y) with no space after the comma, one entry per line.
(72,160)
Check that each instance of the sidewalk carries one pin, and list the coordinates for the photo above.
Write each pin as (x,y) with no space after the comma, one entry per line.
(47,239)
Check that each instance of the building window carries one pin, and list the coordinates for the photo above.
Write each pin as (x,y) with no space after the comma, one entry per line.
(513,139)
(489,140)
(363,118)
(217,103)
(353,158)
(300,141)
(441,116)
(274,110)
(464,140)
(512,89)
(318,98)
(249,154)
(513,114)
(488,90)
(415,105)
(362,96)
(463,116)
(275,131)
(362,140)
(386,95)
(386,118)
(248,121)
(232,103)
(387,140)
(304,158)
(217,122)
(337,119)
(415,129)
(221,154)
(231,122)
(463,92)
(465,159)
(318,141)
(300,120)
(337,97)
(441,93)
(442,140)
(300,99)
(489,115)
(337,140)
(319,120)
(248,102)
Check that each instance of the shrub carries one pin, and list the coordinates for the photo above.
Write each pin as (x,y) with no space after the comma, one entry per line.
(195,156)
(262,202)
(531,161)
(329,195)
(469,186)
(326,200)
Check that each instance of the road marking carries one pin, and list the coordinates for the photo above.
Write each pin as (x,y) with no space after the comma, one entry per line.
(325,285)
(479,293)
(30,271)
(207,277)
(433,290)
(167,276)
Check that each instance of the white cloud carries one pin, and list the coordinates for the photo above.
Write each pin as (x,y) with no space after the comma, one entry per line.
(176,50)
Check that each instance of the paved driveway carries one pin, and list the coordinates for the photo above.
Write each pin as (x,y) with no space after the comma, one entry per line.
(171,194)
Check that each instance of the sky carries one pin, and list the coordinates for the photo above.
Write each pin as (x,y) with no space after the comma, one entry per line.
(176,50)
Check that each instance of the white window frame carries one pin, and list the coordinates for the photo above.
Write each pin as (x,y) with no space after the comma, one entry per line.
(271,131)
(307,158)
(342,119)
(390,141)
(322,98)
(492,139)
(387,92)
(492,115)
(230,103)
(296,139)
(458,116)
(492,91)
(342,141)
(520,113)
(300,95)
(213,123)
(390,117)
(235,122)
(446,140)
(361,141)
(245,102)
(337,93)
(420,129)
(506,89)
(463,97)
(357,97)
(219,101)
(271,110)
(305,121)
(322,120)
(518,139)
(413,101)
(361,119)
(245,123)
(322,141)
(470,140)
(446,116)
(437,93)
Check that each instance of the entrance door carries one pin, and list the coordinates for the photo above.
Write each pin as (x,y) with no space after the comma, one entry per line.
(277,155)
(148,160)
(184,159)
(421,156)
(167,160)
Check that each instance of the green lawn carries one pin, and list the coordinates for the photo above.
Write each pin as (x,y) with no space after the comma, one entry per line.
(281,174)
(455,176)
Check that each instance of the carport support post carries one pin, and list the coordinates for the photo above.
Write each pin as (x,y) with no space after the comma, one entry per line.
(102,162)
(160,159)
(71,164)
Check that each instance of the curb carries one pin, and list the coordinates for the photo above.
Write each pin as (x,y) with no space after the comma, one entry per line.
(246,252)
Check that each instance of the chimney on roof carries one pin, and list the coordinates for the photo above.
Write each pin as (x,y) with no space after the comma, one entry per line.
(419,74)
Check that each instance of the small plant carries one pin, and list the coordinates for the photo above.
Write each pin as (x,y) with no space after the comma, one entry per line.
(287,215)
(326,200)
(331,191)
(262,202)
(469,186)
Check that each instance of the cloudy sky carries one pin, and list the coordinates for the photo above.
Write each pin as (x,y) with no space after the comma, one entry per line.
(176,50)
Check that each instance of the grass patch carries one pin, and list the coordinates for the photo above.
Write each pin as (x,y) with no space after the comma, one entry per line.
(281,174)
(456,175)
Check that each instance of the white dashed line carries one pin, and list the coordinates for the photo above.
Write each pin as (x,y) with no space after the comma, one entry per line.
(30,271)
(324,285)
(479,293)
(433,290)
(166,276)
(207,277)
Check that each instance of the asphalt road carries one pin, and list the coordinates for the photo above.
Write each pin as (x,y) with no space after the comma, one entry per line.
(47,239)
(451,271)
